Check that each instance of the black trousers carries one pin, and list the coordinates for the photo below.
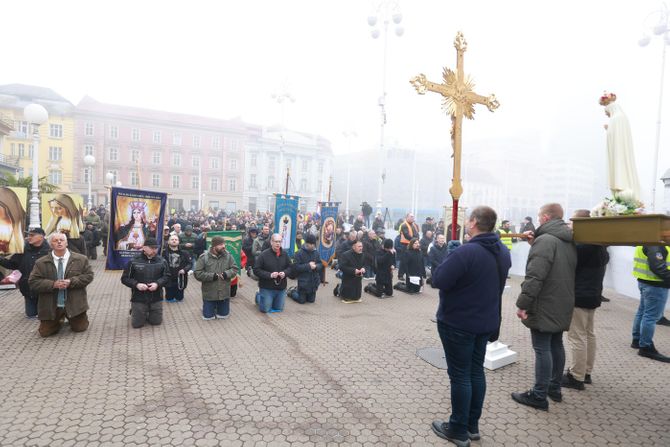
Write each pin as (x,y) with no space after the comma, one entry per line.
(379,288)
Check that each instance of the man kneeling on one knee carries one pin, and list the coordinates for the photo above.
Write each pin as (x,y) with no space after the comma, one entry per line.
(60,280)
(146,274)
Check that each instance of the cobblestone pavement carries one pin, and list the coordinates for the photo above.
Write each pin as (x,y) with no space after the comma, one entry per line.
(319,374)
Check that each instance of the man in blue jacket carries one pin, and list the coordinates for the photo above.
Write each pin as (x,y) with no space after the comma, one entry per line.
(471,281)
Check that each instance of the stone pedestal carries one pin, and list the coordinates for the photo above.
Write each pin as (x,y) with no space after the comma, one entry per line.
(498,355)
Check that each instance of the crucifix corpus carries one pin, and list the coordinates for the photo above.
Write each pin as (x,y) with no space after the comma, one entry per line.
(459,101)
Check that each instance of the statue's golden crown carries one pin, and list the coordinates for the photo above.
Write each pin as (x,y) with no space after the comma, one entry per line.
(607,98)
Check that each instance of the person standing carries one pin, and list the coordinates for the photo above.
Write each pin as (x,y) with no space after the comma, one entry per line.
(309,271)
(60,281)
(353,270)
(187,240)
(271,268)
(92,240)
(546,303)
(505,228)
(247,247)
(179,262)
(591,264)
(215,269)
(471,281)
(24,263)
(366,211)
(145,275)
(651,268)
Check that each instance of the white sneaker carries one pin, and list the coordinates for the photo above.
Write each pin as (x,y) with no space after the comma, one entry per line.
(208,318)
(222,317)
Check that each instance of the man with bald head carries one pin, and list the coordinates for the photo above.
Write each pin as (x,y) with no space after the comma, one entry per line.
(60,280)
(272,267)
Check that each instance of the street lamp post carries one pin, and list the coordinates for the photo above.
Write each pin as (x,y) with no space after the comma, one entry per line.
(36,115)
(387,11)
(282,97)
(89,161)
(661,29)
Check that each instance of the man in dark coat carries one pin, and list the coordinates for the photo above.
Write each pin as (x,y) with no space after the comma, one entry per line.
(179,262)
(471,281)
(92,240)
(309,270)
(353,270)
(366,210)
(272,267)
(546,303)
(145,275)
(24,262)
(60,279)
(371,246)
(437,252)
(591,264)
(247,246)
(384,267)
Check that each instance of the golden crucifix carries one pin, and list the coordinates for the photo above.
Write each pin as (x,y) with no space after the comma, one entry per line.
(459,101)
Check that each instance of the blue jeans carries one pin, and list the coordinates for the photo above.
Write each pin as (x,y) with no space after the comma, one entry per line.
(465,353)
(650,310)
(31,305)
(271,299)
(212,308)
(549,362)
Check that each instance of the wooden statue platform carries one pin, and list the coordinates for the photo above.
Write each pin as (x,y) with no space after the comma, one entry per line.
(643,229)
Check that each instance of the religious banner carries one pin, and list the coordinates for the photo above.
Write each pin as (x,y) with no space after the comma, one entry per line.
(13,203)
(63,213)
(135,215)
(326,242)
(286,219)
(233,243)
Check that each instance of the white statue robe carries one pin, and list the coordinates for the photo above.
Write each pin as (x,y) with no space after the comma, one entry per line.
(620,153)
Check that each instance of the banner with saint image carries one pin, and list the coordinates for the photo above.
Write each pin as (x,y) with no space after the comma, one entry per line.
(63,213)
(233,243)
(326,242)
(135,215)
(13,213)
(286,220)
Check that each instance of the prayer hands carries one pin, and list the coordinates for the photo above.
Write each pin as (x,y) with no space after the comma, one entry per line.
(61,284)
(312,265)
(152,287)
(142,287)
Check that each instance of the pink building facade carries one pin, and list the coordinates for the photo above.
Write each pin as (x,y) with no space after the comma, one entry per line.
(161,151)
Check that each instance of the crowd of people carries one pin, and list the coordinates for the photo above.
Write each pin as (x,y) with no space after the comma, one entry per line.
(561,291)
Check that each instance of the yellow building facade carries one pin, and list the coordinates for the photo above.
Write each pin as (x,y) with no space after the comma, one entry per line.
(56,143)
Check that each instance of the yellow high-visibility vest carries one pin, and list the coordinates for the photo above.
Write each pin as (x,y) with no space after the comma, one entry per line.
(507,241)
(641,268)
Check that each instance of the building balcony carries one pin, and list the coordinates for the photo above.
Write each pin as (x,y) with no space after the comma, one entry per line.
(6,125)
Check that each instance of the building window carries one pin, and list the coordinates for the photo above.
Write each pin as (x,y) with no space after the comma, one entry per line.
(135,134)
(252,181)
(155,180)
(176,139)
(195,161)
(115,176)
(233,145)
(176,159)
(271,182)
(55,177)
(157,137)
(176,181)
(87,171)
(89,130)
(233,165)
(134,178)
(88,149)
(56,130)
(55,153)
(196,141)
(320,168)
(135,156)
(214,163)
(253,160)
(114,132)
(113,154)
(21,127)
(22,150)
(195,182)
(305,165)
(216,142)
(214,184)
(31,149)
(13,149)
(232,184)
(156,157)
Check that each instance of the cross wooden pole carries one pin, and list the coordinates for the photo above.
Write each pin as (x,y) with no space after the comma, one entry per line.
(330,186)
(288,176)
(458,101)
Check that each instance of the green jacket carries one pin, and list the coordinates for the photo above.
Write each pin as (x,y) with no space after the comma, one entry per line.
(186,239)
(206,268)
(94,219)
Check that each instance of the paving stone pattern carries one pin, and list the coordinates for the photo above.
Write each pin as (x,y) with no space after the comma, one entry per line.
(315,375)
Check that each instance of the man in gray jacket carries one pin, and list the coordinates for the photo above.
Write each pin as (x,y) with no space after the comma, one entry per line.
(546,303)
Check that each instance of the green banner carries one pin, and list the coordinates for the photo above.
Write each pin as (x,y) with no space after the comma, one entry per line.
(233,242)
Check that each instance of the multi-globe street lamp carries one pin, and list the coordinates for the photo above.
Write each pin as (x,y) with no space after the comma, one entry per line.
(36,115)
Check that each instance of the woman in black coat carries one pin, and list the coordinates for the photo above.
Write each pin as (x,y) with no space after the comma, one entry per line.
(179,262)
(414,266)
